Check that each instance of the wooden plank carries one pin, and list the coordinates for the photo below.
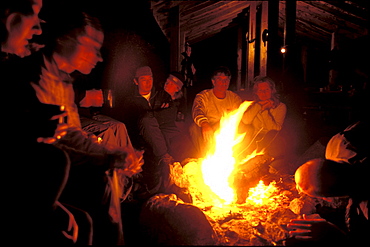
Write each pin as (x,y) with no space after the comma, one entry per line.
(239,51)
(263,46)
(251,45)
(227,11)
(333,45)
(201,9)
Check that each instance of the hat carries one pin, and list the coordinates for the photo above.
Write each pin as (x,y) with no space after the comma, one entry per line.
(146,70)
(180,78)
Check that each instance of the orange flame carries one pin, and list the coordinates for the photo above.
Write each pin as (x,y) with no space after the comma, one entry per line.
(261,194)
(210,179)
(219,165)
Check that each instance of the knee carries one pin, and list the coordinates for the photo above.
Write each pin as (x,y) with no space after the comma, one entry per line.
(121,127)
(108,133)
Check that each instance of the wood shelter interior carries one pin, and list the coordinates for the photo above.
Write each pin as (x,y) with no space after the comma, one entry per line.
(263,27)
(325,43)
(321,76)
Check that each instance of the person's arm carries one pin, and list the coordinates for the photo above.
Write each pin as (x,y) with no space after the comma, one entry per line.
(237,100)
(84,148)
(251,113)
(198,110)
(273,119)
(200,118)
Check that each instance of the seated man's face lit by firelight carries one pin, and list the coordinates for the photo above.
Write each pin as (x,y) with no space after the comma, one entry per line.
(85,52)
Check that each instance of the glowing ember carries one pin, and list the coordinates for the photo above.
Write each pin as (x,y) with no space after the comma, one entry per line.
(262,194)
(209,182)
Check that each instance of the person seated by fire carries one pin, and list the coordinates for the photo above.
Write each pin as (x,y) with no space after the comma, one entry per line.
(73,44)
(44,220)
(139,116)
(343,173)
(265,117)
(168,106)
(209,106)
(144,117)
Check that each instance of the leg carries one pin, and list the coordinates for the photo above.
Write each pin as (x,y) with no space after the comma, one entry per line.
(153,135)
(197,139)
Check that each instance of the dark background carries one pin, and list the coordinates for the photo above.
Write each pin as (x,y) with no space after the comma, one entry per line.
(134,39)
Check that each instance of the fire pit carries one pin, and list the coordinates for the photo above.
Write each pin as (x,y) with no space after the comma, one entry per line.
(233,202)
(258,220)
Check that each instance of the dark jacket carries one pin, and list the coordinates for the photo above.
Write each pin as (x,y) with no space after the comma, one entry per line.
(135,108)
(166,109)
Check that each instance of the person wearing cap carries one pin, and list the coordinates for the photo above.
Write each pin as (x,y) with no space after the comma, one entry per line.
(209,106)
(139,105)
(168,105)
(150,119)
(169,100)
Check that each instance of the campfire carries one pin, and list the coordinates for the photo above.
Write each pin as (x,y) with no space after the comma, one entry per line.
(230,191)
(230,200)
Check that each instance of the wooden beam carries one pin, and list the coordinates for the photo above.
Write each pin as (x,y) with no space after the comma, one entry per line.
(182,42)
(239,52)
(251,43)
(333,73)
(273,44)
(263,45)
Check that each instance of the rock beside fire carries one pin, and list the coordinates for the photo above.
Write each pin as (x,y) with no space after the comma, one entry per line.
(166,220)
(302,206)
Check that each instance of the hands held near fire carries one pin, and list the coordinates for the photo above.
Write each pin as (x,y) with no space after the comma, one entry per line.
(207,132)
(60,129)
(129,161)
(313,229)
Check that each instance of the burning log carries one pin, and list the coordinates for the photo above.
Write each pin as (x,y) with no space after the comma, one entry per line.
(167,220)
(230,204)
(248,174)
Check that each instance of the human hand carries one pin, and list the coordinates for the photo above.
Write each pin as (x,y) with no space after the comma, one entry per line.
(207,132)
(165,105)
(93,98)
(130,163)
(312,229)
(60,130)
(266,104)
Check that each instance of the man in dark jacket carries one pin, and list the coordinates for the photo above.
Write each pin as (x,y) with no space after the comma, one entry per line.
(150,117)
